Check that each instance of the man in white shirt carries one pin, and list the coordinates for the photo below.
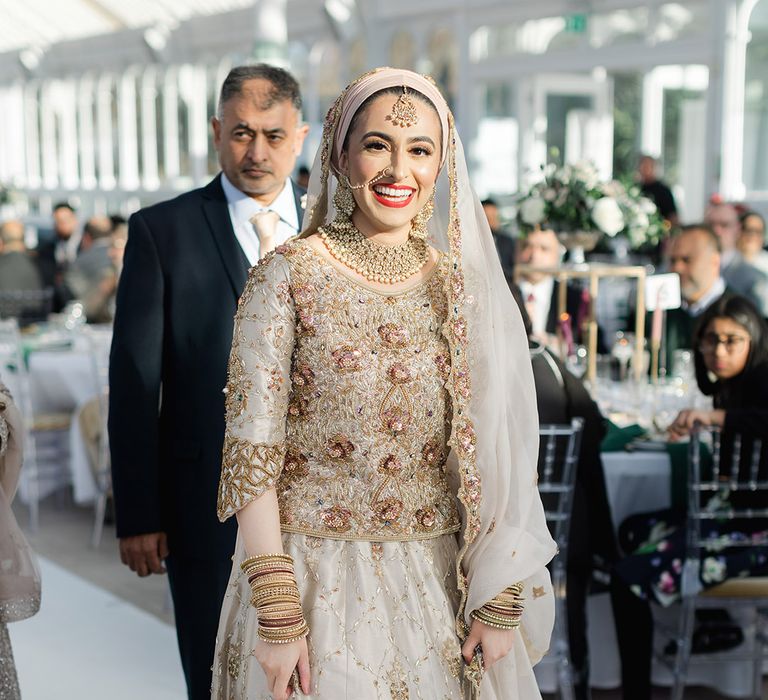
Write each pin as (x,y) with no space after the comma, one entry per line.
(694,254)
(185,266)
(541,249)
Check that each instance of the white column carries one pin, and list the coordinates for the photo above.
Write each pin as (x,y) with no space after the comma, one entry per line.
(192,84)
(736,38)
(5,135)
(150,179)
(652,120)
(49,151)
(270,32)
(32,93)
(464,88)
(127,124)
(86,91)
(104,124)
(66,108)
(171,124)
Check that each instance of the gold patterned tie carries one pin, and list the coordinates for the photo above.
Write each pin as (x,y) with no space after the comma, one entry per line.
(265,225)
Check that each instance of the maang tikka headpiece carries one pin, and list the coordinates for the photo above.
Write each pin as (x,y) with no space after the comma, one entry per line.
(404,111)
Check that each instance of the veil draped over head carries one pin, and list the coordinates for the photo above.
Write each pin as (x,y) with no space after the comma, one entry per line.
(494,436)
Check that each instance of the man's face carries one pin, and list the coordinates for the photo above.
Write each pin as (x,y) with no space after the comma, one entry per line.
(698,264)
(492,214)
(258,147)
(539,249)
(64,222)
(752,238)
(725,223)
(646,168)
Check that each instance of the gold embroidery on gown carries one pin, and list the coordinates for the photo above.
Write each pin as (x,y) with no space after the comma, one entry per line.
(336,396)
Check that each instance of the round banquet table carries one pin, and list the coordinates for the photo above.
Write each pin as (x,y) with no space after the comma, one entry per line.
(62,379)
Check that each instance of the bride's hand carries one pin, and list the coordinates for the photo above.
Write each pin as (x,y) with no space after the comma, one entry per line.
(279,662)
(495,643)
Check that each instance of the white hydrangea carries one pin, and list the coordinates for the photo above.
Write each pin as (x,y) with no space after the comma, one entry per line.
(532,210)
(608,216)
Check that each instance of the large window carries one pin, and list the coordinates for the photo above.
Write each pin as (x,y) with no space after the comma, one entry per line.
(756,102)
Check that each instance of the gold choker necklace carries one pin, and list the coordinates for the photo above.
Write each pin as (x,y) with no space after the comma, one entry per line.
(375,262)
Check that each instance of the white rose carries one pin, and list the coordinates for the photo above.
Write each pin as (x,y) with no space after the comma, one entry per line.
(607,215)
(647,205)
(532,210)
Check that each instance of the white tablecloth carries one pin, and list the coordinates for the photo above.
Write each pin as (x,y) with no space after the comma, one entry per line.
(639,482)
(63,381)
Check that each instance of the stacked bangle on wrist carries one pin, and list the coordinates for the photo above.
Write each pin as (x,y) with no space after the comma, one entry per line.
(275,595)
(504,611)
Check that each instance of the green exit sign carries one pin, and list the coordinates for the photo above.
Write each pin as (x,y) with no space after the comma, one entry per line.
(576,23)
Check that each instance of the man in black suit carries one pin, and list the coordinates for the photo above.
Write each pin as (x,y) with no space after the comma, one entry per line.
(560,397)
(505,243)
(541,290)
(185,267)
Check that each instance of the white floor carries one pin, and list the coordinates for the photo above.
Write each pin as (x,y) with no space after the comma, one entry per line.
(87,644)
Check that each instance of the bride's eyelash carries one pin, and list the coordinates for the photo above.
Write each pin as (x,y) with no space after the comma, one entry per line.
(374,145)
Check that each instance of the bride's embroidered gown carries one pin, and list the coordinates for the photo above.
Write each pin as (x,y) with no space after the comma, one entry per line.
(337,396)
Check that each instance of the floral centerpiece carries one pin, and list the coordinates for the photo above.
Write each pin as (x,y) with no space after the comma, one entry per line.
(572,201)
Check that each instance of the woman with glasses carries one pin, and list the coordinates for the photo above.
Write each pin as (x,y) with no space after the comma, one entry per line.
(731,358)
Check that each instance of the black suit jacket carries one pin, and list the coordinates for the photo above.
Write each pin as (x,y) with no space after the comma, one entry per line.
(560,396)
(183,274)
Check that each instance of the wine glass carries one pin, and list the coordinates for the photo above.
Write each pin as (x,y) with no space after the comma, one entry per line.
(623,350)
(577,361)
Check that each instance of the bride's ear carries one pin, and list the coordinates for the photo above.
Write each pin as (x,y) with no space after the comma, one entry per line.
(344,163)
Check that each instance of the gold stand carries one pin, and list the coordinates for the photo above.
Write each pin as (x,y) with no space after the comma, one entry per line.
(594,273)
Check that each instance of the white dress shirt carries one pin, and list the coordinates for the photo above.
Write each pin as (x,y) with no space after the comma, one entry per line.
(542,300)
(242,208)
(715,292)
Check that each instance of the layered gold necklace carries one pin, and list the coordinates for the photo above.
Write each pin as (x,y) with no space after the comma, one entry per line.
(377,263)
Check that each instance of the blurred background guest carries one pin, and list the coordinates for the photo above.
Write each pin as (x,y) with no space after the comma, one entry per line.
(751,241)
(17,270)
(21,285)
(731,357)
(694,254)
(56,254)
(92,277)
(540,290)
(560,397)
(739,275)
(656,190)
(505,242)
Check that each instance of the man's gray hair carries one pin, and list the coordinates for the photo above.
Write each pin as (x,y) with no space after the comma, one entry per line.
(284,85)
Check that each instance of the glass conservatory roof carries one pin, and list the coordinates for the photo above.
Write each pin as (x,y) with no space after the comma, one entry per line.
(40,23)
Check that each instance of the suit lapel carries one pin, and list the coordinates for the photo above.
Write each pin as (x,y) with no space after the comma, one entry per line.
(298,196)
(551,326)
(216,213)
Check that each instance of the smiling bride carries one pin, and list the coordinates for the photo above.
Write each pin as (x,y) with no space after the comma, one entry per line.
(380,456)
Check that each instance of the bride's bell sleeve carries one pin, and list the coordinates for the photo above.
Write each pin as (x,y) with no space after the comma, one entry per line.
(258,387)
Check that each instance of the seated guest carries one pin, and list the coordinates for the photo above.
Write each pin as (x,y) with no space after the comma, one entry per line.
(751,242)
(21,284)
(560,397)
(17,270)
(739,275)
(731,357)
(505,243)
(540,290)
(694,254)
(92,277)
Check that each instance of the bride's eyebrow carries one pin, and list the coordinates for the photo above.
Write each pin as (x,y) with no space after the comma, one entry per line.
(388,138)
